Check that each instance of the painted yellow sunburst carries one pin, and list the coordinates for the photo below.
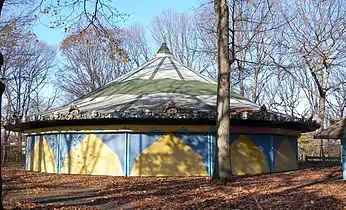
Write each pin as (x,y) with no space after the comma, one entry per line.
(92,156)
(247,158)
(285,158)
(168,156)
(42,157)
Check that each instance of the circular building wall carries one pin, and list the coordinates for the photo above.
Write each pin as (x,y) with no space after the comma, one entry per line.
(167,150)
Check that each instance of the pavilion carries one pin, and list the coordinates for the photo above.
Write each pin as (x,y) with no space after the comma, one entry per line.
(336,131)
(157,120)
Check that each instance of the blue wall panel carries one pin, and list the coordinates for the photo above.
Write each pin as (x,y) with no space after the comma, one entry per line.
(263,143)
(30,144)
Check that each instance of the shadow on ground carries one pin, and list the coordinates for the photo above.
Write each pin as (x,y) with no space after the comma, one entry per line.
(310,188)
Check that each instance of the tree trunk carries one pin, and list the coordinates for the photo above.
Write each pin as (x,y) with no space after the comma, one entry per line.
(5,142)
(254,87)
(222,169)
(321,117)
(322,110)
(1,5)
(241,78)
(238,21)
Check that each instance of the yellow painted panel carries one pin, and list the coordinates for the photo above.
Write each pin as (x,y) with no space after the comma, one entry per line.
(168,156)
(285,158)
(247,158)
(92,156)
(42,157)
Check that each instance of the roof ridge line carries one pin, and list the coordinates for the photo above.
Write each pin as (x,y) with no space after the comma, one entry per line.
(200,75)
(126,75)
(157,68)
(116,80)
(134,71)
(176,69)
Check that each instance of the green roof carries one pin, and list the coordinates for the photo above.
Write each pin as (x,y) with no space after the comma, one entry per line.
(154,84)
(145,87)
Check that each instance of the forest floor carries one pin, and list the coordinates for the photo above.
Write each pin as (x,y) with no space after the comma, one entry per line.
(307,188)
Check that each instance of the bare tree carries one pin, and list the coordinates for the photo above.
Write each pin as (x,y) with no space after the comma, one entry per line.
(13,6)
(26,63)
(27,67)
(252,28)
(315,36)
(284,95)
(90,62)
(136,45)
(180,32)
(206,29)
(27,75)
(336,100)
(67,13)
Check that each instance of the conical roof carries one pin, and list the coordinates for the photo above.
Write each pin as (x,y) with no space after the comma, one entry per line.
(159,89)
(152,86)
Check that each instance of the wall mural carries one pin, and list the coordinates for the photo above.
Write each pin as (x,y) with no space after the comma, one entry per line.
(42,157)
(92,156)
(157,154)
(168,156)
(286,154)
(247,158)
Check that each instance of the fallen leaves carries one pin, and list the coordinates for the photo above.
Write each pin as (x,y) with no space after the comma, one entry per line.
(289,190)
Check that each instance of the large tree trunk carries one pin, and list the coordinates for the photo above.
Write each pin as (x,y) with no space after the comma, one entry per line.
(222,169)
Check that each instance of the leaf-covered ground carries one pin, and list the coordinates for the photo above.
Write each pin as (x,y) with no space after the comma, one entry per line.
(310,188)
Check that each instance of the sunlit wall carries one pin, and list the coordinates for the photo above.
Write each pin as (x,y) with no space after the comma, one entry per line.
(158,153)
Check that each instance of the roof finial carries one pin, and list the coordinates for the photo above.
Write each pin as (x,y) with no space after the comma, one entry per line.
(163,51)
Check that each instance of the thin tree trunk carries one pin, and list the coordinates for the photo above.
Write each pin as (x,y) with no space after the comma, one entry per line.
(1,5)
(238,21)
(321,117)
(6,138)
(222,168)
(254,87)
(321,110)
(241,78)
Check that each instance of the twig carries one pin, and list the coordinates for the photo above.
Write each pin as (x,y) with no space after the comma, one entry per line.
(259,206)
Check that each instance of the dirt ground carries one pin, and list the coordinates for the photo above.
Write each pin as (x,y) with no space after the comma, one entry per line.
(308,188)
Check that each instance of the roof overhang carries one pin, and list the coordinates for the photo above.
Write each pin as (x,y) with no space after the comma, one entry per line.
(335,131)
(299,126)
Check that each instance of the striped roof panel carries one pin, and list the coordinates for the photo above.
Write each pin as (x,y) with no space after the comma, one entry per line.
(152,86)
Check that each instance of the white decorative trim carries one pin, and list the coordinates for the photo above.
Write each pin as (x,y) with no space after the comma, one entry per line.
(159,55)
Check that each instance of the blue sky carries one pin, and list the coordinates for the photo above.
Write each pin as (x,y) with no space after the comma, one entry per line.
(142,12)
